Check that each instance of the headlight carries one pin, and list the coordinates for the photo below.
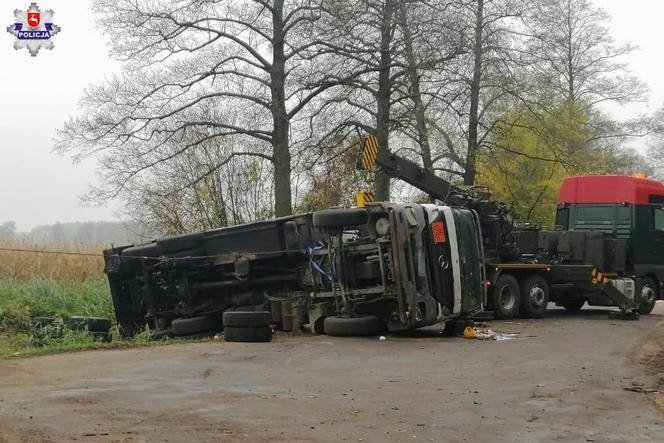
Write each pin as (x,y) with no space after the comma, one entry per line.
(382,226)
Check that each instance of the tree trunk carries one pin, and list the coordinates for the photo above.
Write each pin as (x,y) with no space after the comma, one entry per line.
(280,143)
(415,92)
(475,86)
(383,98)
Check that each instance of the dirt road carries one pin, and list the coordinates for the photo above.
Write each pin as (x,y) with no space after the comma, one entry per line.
(564,379)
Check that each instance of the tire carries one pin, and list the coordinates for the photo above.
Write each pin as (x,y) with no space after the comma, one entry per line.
(353,327)
(338,218)
(506,297)
(42,322)
(247,319)
(318,326)
(535,292)
(194,325)
(646,294)
(260,334)
(92,324)
(573,304)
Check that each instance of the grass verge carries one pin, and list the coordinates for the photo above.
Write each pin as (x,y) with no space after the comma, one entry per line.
(14,345)
(21,300)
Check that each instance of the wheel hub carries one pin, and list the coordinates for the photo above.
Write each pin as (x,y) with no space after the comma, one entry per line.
(507,299)
(537,295)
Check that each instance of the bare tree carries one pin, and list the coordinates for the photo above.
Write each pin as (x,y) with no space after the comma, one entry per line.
(218,68)
(430,40)
(390,49)
(575,58)
(491,42)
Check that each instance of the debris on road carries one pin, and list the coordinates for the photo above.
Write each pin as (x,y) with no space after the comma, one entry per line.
(483,333)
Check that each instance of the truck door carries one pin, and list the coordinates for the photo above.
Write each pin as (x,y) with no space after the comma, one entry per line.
(659,236)
(648,235)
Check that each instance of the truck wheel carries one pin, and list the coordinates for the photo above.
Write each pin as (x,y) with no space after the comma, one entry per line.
(535,292)
(194,325)
(338,218)
(246,319)
(506,297)
(646,295)
(259,334)
(573,304)
(353,327)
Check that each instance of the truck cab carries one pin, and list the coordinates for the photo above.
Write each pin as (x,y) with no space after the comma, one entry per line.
(622,207)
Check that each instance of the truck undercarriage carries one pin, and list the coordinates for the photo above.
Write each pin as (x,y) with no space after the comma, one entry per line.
(397,265)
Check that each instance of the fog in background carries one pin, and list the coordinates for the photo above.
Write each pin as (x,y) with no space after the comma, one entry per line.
(37,95)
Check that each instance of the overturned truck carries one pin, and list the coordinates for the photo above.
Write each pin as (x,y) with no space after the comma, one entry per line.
(352,271)
(388,266)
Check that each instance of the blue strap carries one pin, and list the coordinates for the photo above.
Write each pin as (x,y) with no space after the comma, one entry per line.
(309,250)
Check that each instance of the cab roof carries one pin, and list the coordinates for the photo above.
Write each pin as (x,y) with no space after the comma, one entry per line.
(610,189)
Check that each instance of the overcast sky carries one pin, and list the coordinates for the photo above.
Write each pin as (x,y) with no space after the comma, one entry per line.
(38,93)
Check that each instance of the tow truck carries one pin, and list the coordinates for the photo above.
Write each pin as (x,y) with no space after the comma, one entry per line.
(603,249)
(363,270)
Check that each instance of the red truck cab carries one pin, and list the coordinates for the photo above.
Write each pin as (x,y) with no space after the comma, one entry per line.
(625,207)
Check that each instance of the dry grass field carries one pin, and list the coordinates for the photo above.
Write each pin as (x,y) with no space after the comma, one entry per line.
(70,266)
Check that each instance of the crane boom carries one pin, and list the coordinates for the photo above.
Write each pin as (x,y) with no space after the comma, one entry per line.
(410,172)
(496,226)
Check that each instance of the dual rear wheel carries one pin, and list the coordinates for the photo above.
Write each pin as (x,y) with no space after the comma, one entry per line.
(529,298)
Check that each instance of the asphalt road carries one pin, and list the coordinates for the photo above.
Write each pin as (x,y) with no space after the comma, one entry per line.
(563,379)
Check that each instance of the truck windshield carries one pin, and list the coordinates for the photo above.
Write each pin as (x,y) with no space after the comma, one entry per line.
(612,219)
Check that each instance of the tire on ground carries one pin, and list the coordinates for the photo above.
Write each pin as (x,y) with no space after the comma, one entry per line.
(354,326)
(42,322)
(247,319)
(646,294)
(506,297)
(535,292)
(338,218)
(318,326)
(194,325)
(259,334)
(92,324)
